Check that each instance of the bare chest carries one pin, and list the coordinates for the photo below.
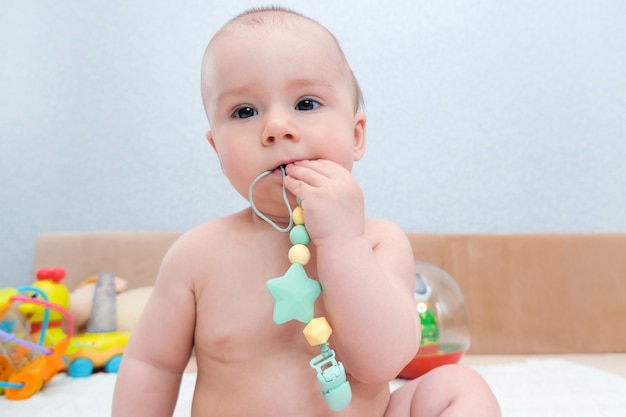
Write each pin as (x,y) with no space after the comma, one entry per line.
(235,309)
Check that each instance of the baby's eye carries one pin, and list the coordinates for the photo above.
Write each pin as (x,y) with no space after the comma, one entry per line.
(245,112)
(307,105)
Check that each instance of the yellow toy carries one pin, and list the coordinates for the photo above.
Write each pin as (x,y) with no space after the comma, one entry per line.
(102,345)
(49,282)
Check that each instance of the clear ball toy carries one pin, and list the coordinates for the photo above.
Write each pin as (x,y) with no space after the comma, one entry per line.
(445,327)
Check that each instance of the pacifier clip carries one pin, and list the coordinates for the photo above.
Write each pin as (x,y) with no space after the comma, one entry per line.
(294,296)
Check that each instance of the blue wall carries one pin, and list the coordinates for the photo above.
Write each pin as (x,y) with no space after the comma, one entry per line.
(484,116)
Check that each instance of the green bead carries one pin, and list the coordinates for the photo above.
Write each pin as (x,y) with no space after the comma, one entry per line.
(299,235)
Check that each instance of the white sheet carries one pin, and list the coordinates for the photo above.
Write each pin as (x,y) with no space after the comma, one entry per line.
(535,388)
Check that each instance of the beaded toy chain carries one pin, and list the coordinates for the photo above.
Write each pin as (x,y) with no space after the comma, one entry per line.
(294,297)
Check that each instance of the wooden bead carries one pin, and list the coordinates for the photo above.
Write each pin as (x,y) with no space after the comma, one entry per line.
(299,254)
(298,215)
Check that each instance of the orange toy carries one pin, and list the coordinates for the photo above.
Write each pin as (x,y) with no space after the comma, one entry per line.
(26,367)
(32,377)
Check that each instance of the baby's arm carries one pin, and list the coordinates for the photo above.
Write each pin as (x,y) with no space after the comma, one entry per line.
(367,278)
(368,294)
(160,346)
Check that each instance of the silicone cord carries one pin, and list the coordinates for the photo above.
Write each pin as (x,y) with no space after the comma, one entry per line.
(263,216)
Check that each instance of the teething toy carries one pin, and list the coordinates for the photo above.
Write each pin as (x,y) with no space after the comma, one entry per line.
(294,297)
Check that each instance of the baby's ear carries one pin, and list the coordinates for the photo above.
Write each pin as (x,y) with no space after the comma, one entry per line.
(209,138)
(359,135)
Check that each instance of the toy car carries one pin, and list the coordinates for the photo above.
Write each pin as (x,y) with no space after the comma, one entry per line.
(90,351)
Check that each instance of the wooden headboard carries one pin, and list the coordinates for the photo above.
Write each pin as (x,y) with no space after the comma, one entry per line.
(534,293)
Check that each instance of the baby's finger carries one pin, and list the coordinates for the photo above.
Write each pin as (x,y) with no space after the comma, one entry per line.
(321,166)
(297,187)
(306,172)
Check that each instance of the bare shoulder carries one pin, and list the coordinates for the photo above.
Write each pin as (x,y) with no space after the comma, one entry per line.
(382,232)
(192,253)
(211,234)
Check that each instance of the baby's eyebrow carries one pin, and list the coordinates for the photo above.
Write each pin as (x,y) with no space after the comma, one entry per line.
(311,82)
(227,95)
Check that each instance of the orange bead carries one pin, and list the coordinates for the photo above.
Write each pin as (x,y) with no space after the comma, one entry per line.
(317,331)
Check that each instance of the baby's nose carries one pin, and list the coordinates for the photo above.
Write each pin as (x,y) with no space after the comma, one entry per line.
(277,128)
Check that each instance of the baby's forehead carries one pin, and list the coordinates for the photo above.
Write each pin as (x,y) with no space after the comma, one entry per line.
(272,22)
(268,24)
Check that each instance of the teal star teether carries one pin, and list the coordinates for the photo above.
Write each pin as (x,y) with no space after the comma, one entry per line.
(294,295)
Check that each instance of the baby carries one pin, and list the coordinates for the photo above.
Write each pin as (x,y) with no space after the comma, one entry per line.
(283,107)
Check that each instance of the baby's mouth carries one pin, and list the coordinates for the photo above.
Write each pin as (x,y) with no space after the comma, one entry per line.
(280,169)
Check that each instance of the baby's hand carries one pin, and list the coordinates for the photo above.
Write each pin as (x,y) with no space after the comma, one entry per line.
(331,199)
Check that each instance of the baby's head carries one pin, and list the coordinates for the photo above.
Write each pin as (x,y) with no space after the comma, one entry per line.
(277,88)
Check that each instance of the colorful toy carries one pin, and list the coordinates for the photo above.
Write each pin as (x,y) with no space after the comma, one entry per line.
(26,367)
(102,345)
(294,297)
(445,330)
(428,317)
